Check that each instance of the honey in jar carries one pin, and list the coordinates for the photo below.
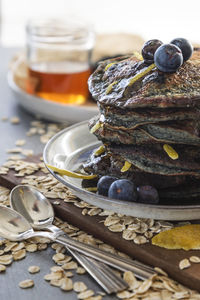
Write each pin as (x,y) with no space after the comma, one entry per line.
(58,55)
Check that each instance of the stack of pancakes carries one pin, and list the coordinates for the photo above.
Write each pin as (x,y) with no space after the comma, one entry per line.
(136,121)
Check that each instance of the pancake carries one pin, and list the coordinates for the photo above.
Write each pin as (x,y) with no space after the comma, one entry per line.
(182,132)
(155,89)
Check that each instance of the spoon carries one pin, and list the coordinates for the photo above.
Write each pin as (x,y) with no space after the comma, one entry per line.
(140,270)
(38,211)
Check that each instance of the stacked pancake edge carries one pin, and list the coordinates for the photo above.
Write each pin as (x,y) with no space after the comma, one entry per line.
(136,123)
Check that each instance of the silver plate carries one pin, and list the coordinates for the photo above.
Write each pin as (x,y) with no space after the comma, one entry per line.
(72,146)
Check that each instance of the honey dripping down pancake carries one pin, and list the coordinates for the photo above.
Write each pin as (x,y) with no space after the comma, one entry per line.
(149,113)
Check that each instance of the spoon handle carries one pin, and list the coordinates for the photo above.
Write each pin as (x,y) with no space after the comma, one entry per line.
(103,275)
(140,270)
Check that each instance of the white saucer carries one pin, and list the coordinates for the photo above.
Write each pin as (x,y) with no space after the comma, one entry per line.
(50,110)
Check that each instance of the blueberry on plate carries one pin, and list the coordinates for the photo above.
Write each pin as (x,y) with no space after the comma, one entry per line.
(147,194)
(104,183)
(168,58)
(148,50)
(123,189)
(185,46)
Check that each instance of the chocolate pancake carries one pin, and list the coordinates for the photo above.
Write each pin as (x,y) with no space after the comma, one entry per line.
(111,164)
(181,132)
(131,118)
(155,89)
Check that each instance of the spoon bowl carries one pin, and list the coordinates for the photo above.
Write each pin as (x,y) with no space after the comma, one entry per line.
(33,205)
(13,226)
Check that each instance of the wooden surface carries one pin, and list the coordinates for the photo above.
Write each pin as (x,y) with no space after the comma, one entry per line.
(168,260)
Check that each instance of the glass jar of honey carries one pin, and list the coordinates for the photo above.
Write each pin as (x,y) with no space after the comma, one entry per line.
(58,58)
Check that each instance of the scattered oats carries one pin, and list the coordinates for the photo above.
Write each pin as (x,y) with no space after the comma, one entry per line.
(15,120)
(184,263)
(194,259)
(20,143)
(85,294)
(166,295)
(169,284)
(19,254)
(67,284)
(41,247)
(140,240)
(34,269)
(69,274)
(80,271)
(117,227)
(160,271)
(144,286)
(84,211)
(181,295)
(6,259)
(10,246)
(133,226)
(31,131)
(111,220)
(58,256)
(70,265)
(56,269)
(56,282)
(129,234)
(53,276)
(94,211)
(148,234)
(129,277)
(31,247)
(2,268)
(3,170)
(26,284)
(18,247)
(27,152)
(124,294)
(61,249)
(79,286)
(1,252)
(14,150)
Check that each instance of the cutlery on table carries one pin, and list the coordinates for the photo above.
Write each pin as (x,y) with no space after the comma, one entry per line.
(15,227)
(141,270)
(38,211)
(44,215)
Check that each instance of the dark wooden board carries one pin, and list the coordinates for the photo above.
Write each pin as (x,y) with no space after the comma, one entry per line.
(168,260)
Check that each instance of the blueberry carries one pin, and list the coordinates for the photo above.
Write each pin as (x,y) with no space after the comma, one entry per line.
(104,183)
(185,46)
(123,189)
(149,49)
(168,58)
(147,194)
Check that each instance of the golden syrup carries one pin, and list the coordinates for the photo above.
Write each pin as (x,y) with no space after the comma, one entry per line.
(63,82)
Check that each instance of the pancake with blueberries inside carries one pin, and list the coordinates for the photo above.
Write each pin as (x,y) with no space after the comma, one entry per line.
(149,122)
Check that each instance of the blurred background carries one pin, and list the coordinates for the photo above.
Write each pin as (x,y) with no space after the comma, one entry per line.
(151,19)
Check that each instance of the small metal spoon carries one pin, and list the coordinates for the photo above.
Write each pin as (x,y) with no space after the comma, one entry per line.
(38,211)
